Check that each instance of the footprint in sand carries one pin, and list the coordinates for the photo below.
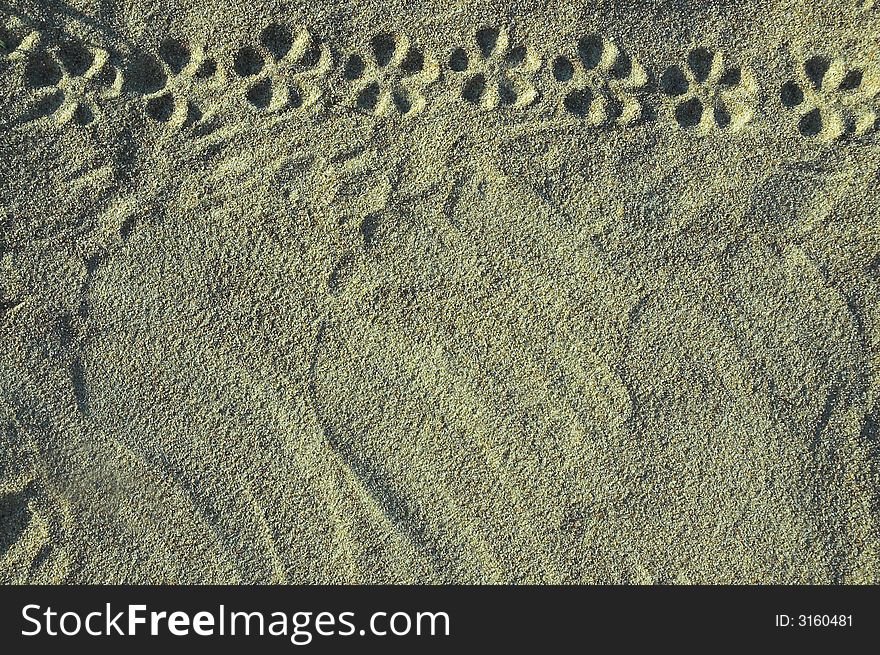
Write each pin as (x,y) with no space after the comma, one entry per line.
(392,78)
(177,85)
(72,82)
(283,70)
(33,518)
(709,93)
(831,100)
(495,72)
(24,533)
(600,83)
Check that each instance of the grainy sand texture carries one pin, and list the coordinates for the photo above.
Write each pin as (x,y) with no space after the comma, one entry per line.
(439,292)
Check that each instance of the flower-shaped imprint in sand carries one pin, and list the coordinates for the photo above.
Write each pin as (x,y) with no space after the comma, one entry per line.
(284,70)
(600,83)
(178,85)
(709,93)
(390,80)
(832,100)
(17,40)
(71,82)
(496,73)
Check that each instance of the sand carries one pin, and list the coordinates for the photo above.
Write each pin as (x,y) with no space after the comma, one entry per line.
(439,292)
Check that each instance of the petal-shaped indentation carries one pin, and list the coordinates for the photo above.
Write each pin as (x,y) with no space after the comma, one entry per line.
(590,49)
(474,88)
(161,108)
(721,115)
(401,101)
(17,39)
(674,82)
(383,46)
(815,69)
(563,69)
(622,66)
(368,97)
(458,60)
(42,71)
(413,63)
(852,80)
(354,68)
(507,94)
(791,94)
(516,56)
(295,97)
(700,60)
(689,113)
(248,62)
(101,69)
(83,114)
(613,108)
(207,68)
(9,40)
(192,113)
(811,124)
(578,102)
(260,94)
(487,40)
(277,39)
(731,77)
(108,79)
(145,75)
(75,58)
(176,55)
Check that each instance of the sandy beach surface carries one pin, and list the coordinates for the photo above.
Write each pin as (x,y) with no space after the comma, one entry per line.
(439,292)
